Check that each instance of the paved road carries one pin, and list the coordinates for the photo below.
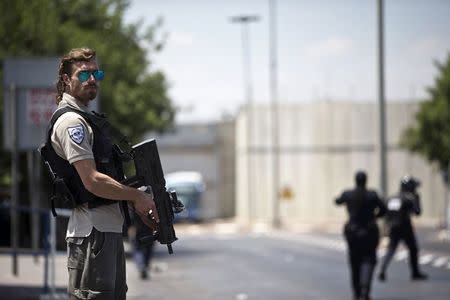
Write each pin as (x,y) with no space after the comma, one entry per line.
(228,265)
(273,266)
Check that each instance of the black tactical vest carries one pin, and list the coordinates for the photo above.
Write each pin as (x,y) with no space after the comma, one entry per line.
(106,158)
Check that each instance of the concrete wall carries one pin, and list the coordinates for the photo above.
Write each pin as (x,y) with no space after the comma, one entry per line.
(322,144)
(208,149)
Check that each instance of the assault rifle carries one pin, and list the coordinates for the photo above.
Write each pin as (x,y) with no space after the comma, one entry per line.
(149,173)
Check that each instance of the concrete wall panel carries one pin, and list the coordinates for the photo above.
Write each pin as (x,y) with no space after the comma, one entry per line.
(322,145)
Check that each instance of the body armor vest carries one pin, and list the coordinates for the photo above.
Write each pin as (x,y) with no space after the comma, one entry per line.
(106,158)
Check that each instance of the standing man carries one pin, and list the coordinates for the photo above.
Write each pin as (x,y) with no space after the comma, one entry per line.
(400,208)
(142,252)
(362,234)
(81,153)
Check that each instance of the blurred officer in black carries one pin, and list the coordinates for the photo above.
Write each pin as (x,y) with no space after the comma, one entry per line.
(398,220)
(142,252)
(362,234)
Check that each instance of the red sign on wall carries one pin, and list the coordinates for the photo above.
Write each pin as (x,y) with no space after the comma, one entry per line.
(40,105)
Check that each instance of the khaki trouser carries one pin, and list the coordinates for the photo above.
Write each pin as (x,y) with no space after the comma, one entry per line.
(96,266)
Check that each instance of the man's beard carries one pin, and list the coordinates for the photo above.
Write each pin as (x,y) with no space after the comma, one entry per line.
(91,92)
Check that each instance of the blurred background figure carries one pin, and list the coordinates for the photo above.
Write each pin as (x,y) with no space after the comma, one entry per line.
(142,252)
(399,209)
(362,234)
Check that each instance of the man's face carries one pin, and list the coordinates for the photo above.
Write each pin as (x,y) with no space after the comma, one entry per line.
(83,91)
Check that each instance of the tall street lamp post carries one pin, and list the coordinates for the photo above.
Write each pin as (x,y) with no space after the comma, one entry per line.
(244,21)
(381,98)
(273,66)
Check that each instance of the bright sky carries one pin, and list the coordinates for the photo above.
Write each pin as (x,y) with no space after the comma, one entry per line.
(327,49)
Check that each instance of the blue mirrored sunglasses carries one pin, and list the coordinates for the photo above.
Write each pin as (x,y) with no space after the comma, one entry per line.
(85,75)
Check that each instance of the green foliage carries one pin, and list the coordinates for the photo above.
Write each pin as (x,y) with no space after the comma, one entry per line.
(430,135)
(132,95)
(134,98)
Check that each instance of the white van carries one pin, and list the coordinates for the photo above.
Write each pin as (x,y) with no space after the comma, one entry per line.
(189,186)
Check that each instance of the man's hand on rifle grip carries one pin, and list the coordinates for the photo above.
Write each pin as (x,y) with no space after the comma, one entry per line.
(146,209)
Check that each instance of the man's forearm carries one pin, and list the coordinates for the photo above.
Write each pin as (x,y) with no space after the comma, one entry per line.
(103,185)
(106,187)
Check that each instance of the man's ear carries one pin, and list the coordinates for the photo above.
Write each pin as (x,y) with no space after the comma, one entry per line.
(66,79)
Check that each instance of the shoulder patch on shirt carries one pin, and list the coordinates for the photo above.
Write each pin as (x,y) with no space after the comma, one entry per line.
(394,204)
(76,134)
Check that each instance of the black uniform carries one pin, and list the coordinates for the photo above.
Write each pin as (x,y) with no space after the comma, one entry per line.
(398,220)
(362,234)
(142,252)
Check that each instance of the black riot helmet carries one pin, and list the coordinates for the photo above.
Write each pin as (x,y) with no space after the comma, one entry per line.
(409,184)
(360,179)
